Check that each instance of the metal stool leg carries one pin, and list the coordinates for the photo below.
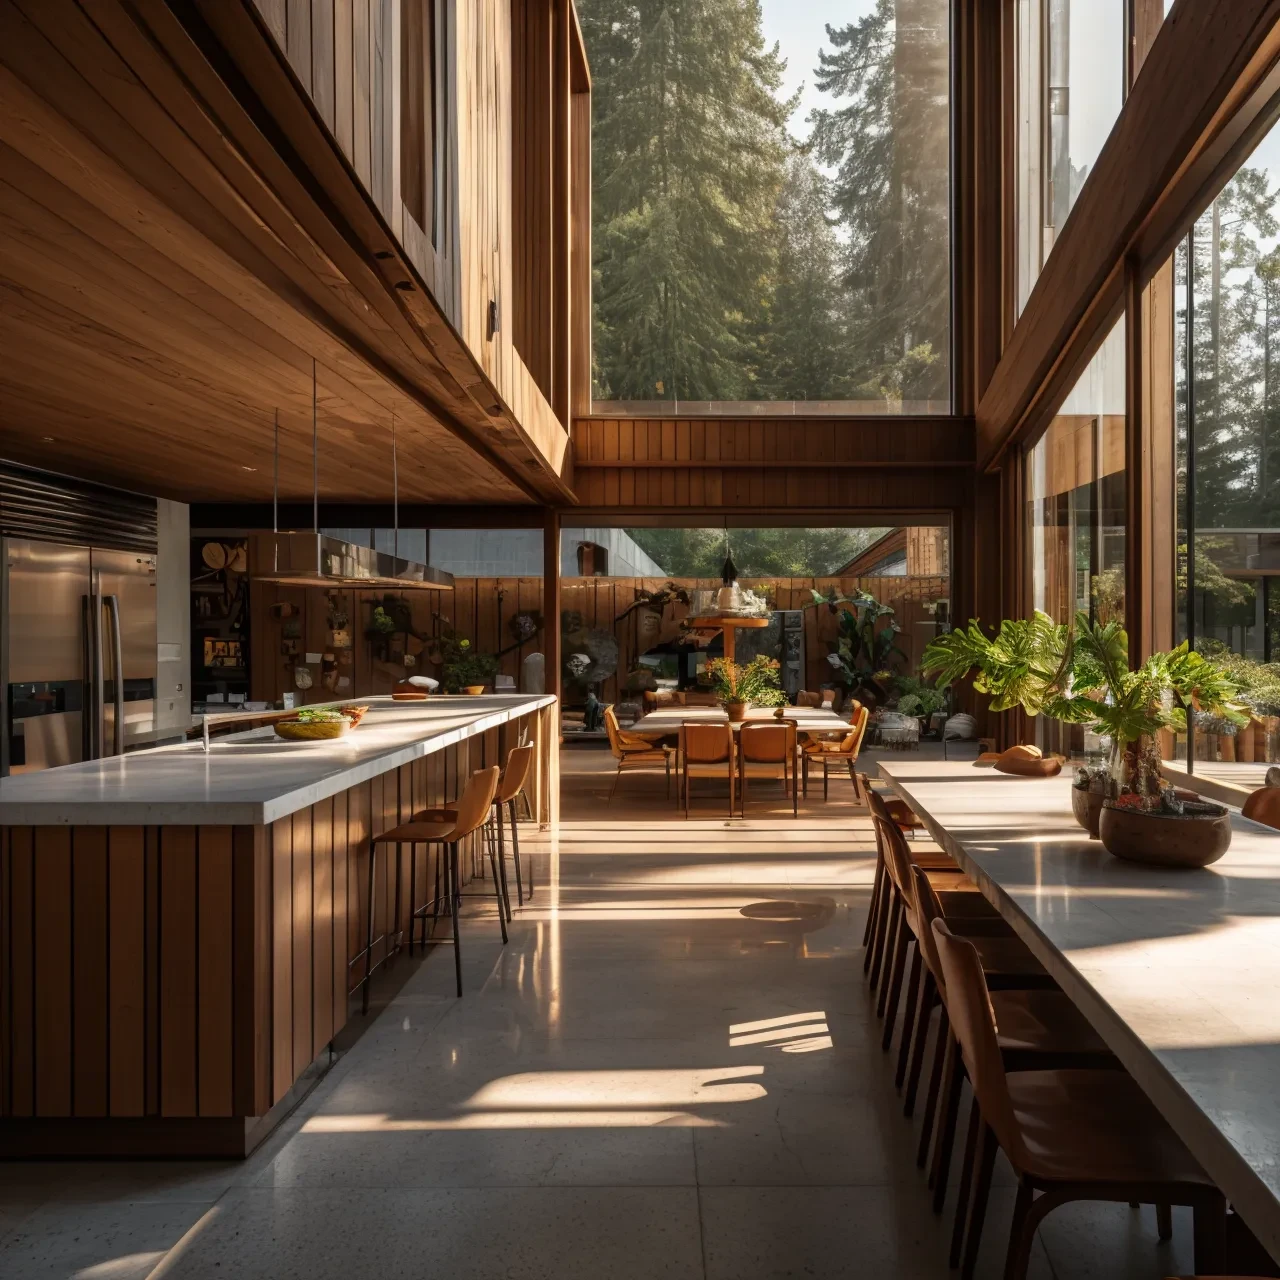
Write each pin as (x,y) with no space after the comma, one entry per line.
(368,948)
(455,905)
(497,889)
(515,856)
(413,893)
(502,860)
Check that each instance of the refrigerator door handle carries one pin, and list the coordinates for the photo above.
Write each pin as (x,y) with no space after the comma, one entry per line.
(87,717)
(117,675)
(98,687)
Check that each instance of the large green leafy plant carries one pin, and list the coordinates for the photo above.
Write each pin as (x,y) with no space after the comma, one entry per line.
(756,682)
(866,646)
(1079,674)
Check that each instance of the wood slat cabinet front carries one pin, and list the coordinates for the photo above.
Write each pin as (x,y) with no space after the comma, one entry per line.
(166,987)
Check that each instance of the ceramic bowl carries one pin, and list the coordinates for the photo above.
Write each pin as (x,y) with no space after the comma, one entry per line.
(1164,840)
(313,730)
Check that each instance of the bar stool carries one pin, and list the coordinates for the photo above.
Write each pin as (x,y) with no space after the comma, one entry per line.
(510,788)
(470,815)
(1069,1135)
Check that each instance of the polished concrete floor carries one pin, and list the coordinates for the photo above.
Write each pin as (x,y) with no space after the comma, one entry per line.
(672,1070)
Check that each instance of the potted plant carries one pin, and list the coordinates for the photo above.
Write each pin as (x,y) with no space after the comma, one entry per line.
(866,646)
(738,686)
(464,670)
(918,698)
(1080,674)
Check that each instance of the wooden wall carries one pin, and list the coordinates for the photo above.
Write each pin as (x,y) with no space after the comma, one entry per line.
(347,54)
(481,609)
(857,464)
(196,972)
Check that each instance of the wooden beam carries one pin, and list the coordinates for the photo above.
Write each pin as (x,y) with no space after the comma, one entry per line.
(1198,105)
(256,516)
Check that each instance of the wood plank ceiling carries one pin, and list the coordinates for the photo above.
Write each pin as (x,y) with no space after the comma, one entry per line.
(166,281)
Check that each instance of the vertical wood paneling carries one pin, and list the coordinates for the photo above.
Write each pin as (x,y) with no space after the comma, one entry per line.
(282,958)
(298,40)
(126,1012)
(323,82)
(322,924)
(251,971)
(343,81)
(302,916)
(342,861)
(275,12)
(362,96)
(89,970)
(53,1011)
(21,885)
(215,971)
(178,971)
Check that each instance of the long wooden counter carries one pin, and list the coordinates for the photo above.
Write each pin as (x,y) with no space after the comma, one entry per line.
(1177,970)
(181,930)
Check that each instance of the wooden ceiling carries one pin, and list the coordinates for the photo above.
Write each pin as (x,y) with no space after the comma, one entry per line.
(164,292)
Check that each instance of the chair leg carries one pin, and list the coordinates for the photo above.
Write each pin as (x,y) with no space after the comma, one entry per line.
(795,788)
(876,915)
(928,998)
(502,860)
(824,780)
(869,928)
(953,1080)
(454,912)
(895,982)
(515,855)
(915,981)
(978,1209)
(884,942)
(368,943)
(498,893)
(1164,1221)
(935,1087)
(413,892)
(1021,1234)
(616,776)
(887,954)
(967,1163)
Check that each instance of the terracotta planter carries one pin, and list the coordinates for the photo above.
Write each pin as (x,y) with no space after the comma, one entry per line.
(1164,840)
(736,711)
(1087,807)
(473,689)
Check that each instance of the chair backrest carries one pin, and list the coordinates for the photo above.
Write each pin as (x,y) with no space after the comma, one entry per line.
(897,862)
(1263,806)
(475,802)
(806,699)
(767,742)
(858,726)
(706,743)
(974,1024)
(614,730)
(516,774)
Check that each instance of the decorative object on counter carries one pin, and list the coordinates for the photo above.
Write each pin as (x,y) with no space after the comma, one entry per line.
(1024,761)
(313,724)
(738,686)
(1079,674)
(1185,832)
(414,688)
(355,714)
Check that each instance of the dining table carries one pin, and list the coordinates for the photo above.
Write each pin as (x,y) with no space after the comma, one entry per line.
(1178,970)
(667,720)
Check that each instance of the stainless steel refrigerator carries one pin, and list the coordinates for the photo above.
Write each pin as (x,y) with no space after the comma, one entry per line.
(79,653)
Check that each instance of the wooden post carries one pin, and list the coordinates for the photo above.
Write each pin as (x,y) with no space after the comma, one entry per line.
(551,652)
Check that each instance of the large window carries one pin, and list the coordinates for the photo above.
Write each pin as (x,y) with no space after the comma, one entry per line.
(770,204)
(1075,511)
(1070,88)
(1227,385)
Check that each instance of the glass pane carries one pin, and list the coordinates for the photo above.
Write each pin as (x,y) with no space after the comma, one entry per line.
(1070,58)
(1227,306)
(770,205)
(1075,510)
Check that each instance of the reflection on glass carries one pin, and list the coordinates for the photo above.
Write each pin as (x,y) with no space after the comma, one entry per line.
(1070,87)
(1075,510)
(1227,399)
(771,187)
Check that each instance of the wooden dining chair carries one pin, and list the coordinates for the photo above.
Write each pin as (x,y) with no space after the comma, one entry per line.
(1069,1134)
(767,749)
(843,752)
(706,751)
(470,815)
(634,751)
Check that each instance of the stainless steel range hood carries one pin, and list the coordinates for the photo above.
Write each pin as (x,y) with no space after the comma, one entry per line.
(315,560)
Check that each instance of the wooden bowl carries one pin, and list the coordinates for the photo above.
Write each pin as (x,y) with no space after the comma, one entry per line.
(312,731)
(408,695)
(1164,840)
(1029,767)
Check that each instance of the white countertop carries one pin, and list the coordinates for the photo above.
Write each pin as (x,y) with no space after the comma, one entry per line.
(1179,971)
(251,777)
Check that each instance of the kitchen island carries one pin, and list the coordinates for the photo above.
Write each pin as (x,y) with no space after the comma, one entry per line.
(182,929)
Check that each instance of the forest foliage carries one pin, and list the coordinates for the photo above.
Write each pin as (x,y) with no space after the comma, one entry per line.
(734,261)
(757,553)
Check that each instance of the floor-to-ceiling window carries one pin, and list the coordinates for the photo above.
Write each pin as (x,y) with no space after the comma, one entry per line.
(771,190)
(1227,416)
(1075,507)
(1071,67)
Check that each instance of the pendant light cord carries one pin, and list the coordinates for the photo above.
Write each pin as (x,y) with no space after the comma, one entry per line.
(395,491)
(275,494)
(315,456)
